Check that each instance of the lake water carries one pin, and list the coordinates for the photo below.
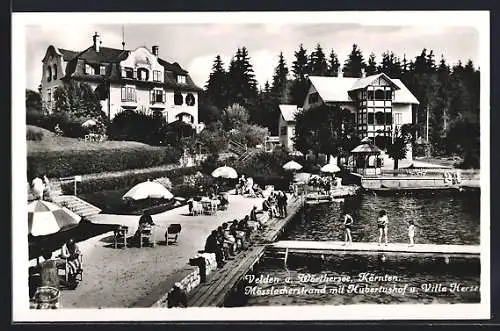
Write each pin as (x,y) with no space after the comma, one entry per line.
(443,217)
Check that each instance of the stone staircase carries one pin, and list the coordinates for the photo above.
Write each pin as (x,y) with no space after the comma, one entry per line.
(77,205)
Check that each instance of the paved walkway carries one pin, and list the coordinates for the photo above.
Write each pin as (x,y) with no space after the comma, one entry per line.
(117,278)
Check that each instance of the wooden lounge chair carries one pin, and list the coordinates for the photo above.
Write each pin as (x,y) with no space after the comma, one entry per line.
(172,232)
(146,236)
(120,237)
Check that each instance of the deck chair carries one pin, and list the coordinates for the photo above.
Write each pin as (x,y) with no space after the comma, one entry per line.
(146,236)
(66,267)
(172,232)
(120,237)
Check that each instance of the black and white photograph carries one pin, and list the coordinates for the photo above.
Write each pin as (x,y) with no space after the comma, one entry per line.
(234,166)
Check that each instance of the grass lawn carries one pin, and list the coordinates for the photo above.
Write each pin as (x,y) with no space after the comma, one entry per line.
(50,142)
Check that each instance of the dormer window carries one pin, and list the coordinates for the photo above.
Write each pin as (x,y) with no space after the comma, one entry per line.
(181,79)
(128,73)
(102,70)
(89,70)
(142,74)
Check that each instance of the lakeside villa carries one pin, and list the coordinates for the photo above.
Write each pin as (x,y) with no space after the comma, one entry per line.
(380,105)
(124,80)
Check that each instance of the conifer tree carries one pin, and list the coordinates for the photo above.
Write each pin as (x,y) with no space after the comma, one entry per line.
(317,62)
(371,68)
(333,65)
(354,63)
(216,87)
(300,70)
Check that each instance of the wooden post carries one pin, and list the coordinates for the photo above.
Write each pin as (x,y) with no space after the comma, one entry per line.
(75,188)
(286,256)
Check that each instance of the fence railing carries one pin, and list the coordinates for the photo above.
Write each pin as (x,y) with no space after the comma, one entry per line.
(465,174)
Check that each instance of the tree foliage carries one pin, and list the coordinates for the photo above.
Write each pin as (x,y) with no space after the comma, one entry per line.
(354,64)
(317,62)
(333,65)
(217,84)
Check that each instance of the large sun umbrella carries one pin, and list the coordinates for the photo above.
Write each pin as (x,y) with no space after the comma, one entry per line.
(330,168)
(292,165)
(46,218)
(88,123)
(225,172)
(147,190)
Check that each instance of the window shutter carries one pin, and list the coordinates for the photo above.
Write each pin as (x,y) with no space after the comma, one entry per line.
(123,93)
(163,96)
(151,96)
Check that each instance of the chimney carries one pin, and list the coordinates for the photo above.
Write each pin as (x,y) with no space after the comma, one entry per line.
(155,50)
(97,42)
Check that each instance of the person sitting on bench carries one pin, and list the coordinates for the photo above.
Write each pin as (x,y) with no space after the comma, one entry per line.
(71,253)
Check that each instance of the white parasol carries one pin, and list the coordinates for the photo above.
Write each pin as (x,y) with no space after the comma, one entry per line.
(146,190)
(46,218)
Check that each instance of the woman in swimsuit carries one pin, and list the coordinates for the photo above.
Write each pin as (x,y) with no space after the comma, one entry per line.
(382,226)
(347,227)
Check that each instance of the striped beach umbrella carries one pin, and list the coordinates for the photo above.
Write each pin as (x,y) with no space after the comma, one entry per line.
(225,172)
(47,218)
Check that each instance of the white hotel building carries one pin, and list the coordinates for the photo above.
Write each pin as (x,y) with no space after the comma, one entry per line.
(134,80)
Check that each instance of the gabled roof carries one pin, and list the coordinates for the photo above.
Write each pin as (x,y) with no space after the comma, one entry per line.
(67,54)
(105,54)
(288,112)
(365,81)
(173,67)
(336,89)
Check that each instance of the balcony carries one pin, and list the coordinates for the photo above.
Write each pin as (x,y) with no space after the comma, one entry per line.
(130,102)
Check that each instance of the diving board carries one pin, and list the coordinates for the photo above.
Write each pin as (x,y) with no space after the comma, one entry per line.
(334,247)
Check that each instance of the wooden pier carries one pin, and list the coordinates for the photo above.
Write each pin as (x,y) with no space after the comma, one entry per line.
(338,247)
(216,289)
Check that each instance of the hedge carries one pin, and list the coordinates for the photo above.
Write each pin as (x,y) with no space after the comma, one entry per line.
(71,162)
(126,180)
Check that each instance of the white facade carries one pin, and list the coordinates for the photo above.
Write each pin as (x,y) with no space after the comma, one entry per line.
(136,80)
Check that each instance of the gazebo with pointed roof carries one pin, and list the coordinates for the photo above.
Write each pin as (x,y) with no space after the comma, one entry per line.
(366,158)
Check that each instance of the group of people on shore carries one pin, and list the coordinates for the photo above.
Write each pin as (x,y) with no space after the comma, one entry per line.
(229,239)
(324,183)
(276,204)
(382,224)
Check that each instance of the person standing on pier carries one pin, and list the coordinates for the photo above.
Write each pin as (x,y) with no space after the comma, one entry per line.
(347,219)
(382,222)
(411,232)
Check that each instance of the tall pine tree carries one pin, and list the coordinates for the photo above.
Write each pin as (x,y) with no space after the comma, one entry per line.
(371,68)
(390,65)
(280,80)
(242,86)
(317,62)
(300,70)
(333,65)
(354,64)
(216,87)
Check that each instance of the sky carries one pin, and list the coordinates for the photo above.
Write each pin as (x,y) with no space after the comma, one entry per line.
(194,46)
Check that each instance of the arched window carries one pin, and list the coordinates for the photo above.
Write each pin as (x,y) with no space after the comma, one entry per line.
(49,73)
(379,95)
(55,72)
(142,74)
(190,99)
(178,99)
(379,118)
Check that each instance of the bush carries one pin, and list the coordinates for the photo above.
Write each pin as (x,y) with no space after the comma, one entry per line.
(34,135)
(69,162)
(124,181)
(137,126)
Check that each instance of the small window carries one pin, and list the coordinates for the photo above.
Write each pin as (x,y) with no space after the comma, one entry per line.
(128,73)
(370,118)
(190,99)
(388,95)
(157,76)
(49,73)
(388,118)
(128,93)
(283,131)
(157,96)
(142,74)
(379,95)
(370,95)
(55,72)
(102,70)
(181,79)
(379,118)
(397,118)
(49,95)
(89,70)
(178,100)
